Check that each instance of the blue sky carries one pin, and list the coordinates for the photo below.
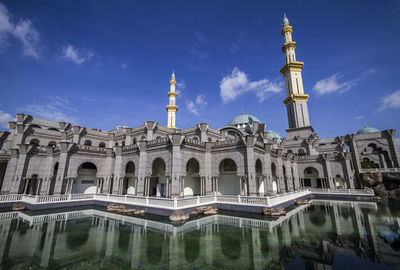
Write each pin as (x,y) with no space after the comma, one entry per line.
(102,63)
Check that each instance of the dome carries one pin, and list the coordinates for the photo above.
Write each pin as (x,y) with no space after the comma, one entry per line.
(367,130)
(285,19)
(244,119)
(274,134)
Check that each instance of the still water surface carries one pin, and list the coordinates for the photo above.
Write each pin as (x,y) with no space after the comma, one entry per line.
(323,235)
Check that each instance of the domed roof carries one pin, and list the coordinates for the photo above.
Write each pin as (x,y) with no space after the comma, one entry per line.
(367,130)
(274,134)
(244,119)
(285,19)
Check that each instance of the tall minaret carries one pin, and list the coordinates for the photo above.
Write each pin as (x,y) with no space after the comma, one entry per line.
(296,100)
(171,107)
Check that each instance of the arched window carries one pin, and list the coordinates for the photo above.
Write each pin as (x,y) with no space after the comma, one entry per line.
(53,129)
(209,139)
(34,142)
(102,145)
(123,143)
(301,152)
(143,137)
(88,143)
(134,140)
(195,138)
(116,144)
(158,137)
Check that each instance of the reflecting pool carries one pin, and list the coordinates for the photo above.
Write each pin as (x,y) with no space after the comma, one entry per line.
(322,235)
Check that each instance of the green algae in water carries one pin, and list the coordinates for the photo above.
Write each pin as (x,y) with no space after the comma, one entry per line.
(323,235)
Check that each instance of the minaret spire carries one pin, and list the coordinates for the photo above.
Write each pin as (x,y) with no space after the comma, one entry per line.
(171,107)
(296,100)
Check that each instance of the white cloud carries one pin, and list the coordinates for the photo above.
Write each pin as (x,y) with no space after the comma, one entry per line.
(332,84)
(180,86)
(124,66)
(72,54)
(237,83)
(22,31)
(390,101)
(5,118)
(56,109)
(26,33)
(359,117)
(201,100)
(192,107)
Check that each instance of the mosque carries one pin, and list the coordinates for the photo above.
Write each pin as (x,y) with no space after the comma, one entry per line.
(40,156)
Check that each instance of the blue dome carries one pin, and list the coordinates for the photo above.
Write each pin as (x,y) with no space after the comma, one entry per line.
(285,20)
(367,130)
(244,119)
(274,134)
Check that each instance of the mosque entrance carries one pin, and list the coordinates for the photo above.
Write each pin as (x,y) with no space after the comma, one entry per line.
(311,178)
(157,185)
(274,179)
(85,182)
(129,186)
(228,181)
(259,179)
(192,179)
(33,185)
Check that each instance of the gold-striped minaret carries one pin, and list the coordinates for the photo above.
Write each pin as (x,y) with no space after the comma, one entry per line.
(296,99)
(171,107)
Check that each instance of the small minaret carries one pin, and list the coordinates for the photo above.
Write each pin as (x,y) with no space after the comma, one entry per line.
(171,107)
(296,100)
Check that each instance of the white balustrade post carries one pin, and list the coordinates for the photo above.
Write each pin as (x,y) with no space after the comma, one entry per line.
(239,201)
(108,197)
(268,201)
(147,200)
(198,199)
(69,197)
(125,197)
(175,203)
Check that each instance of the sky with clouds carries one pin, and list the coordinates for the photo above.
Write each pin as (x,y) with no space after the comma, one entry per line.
(108,62)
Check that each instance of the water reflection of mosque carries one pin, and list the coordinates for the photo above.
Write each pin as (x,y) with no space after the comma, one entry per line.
(89,237)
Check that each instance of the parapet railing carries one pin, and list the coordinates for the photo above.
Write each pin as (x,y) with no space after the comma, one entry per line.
(365,191)
(181,203)
(381,170)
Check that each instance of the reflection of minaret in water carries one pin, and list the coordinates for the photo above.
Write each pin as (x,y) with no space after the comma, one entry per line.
(296,100)
(171,107)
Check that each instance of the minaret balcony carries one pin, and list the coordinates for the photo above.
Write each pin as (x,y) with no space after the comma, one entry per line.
(174,94)
(296,97)
(288,45)
(172,108)
(286,28)
(292,66)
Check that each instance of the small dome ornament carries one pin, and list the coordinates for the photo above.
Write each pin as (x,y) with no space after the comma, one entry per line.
(285,19)
(173,74)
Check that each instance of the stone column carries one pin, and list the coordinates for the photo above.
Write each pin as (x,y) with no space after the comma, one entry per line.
(267,170)
(207,169)
(63,163)
(108,170)
(176,168)
(117,170)
(288,167)
(22,166)
(296,176)
(9,178)
(393,146)
(279,172)
(142,170)
(348,174)
(328,170)
(48,171)
(251,166)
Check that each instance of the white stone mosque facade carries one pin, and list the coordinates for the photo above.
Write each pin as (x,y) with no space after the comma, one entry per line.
(40,156)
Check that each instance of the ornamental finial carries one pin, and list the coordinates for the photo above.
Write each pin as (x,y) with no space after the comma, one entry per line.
(173,74)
